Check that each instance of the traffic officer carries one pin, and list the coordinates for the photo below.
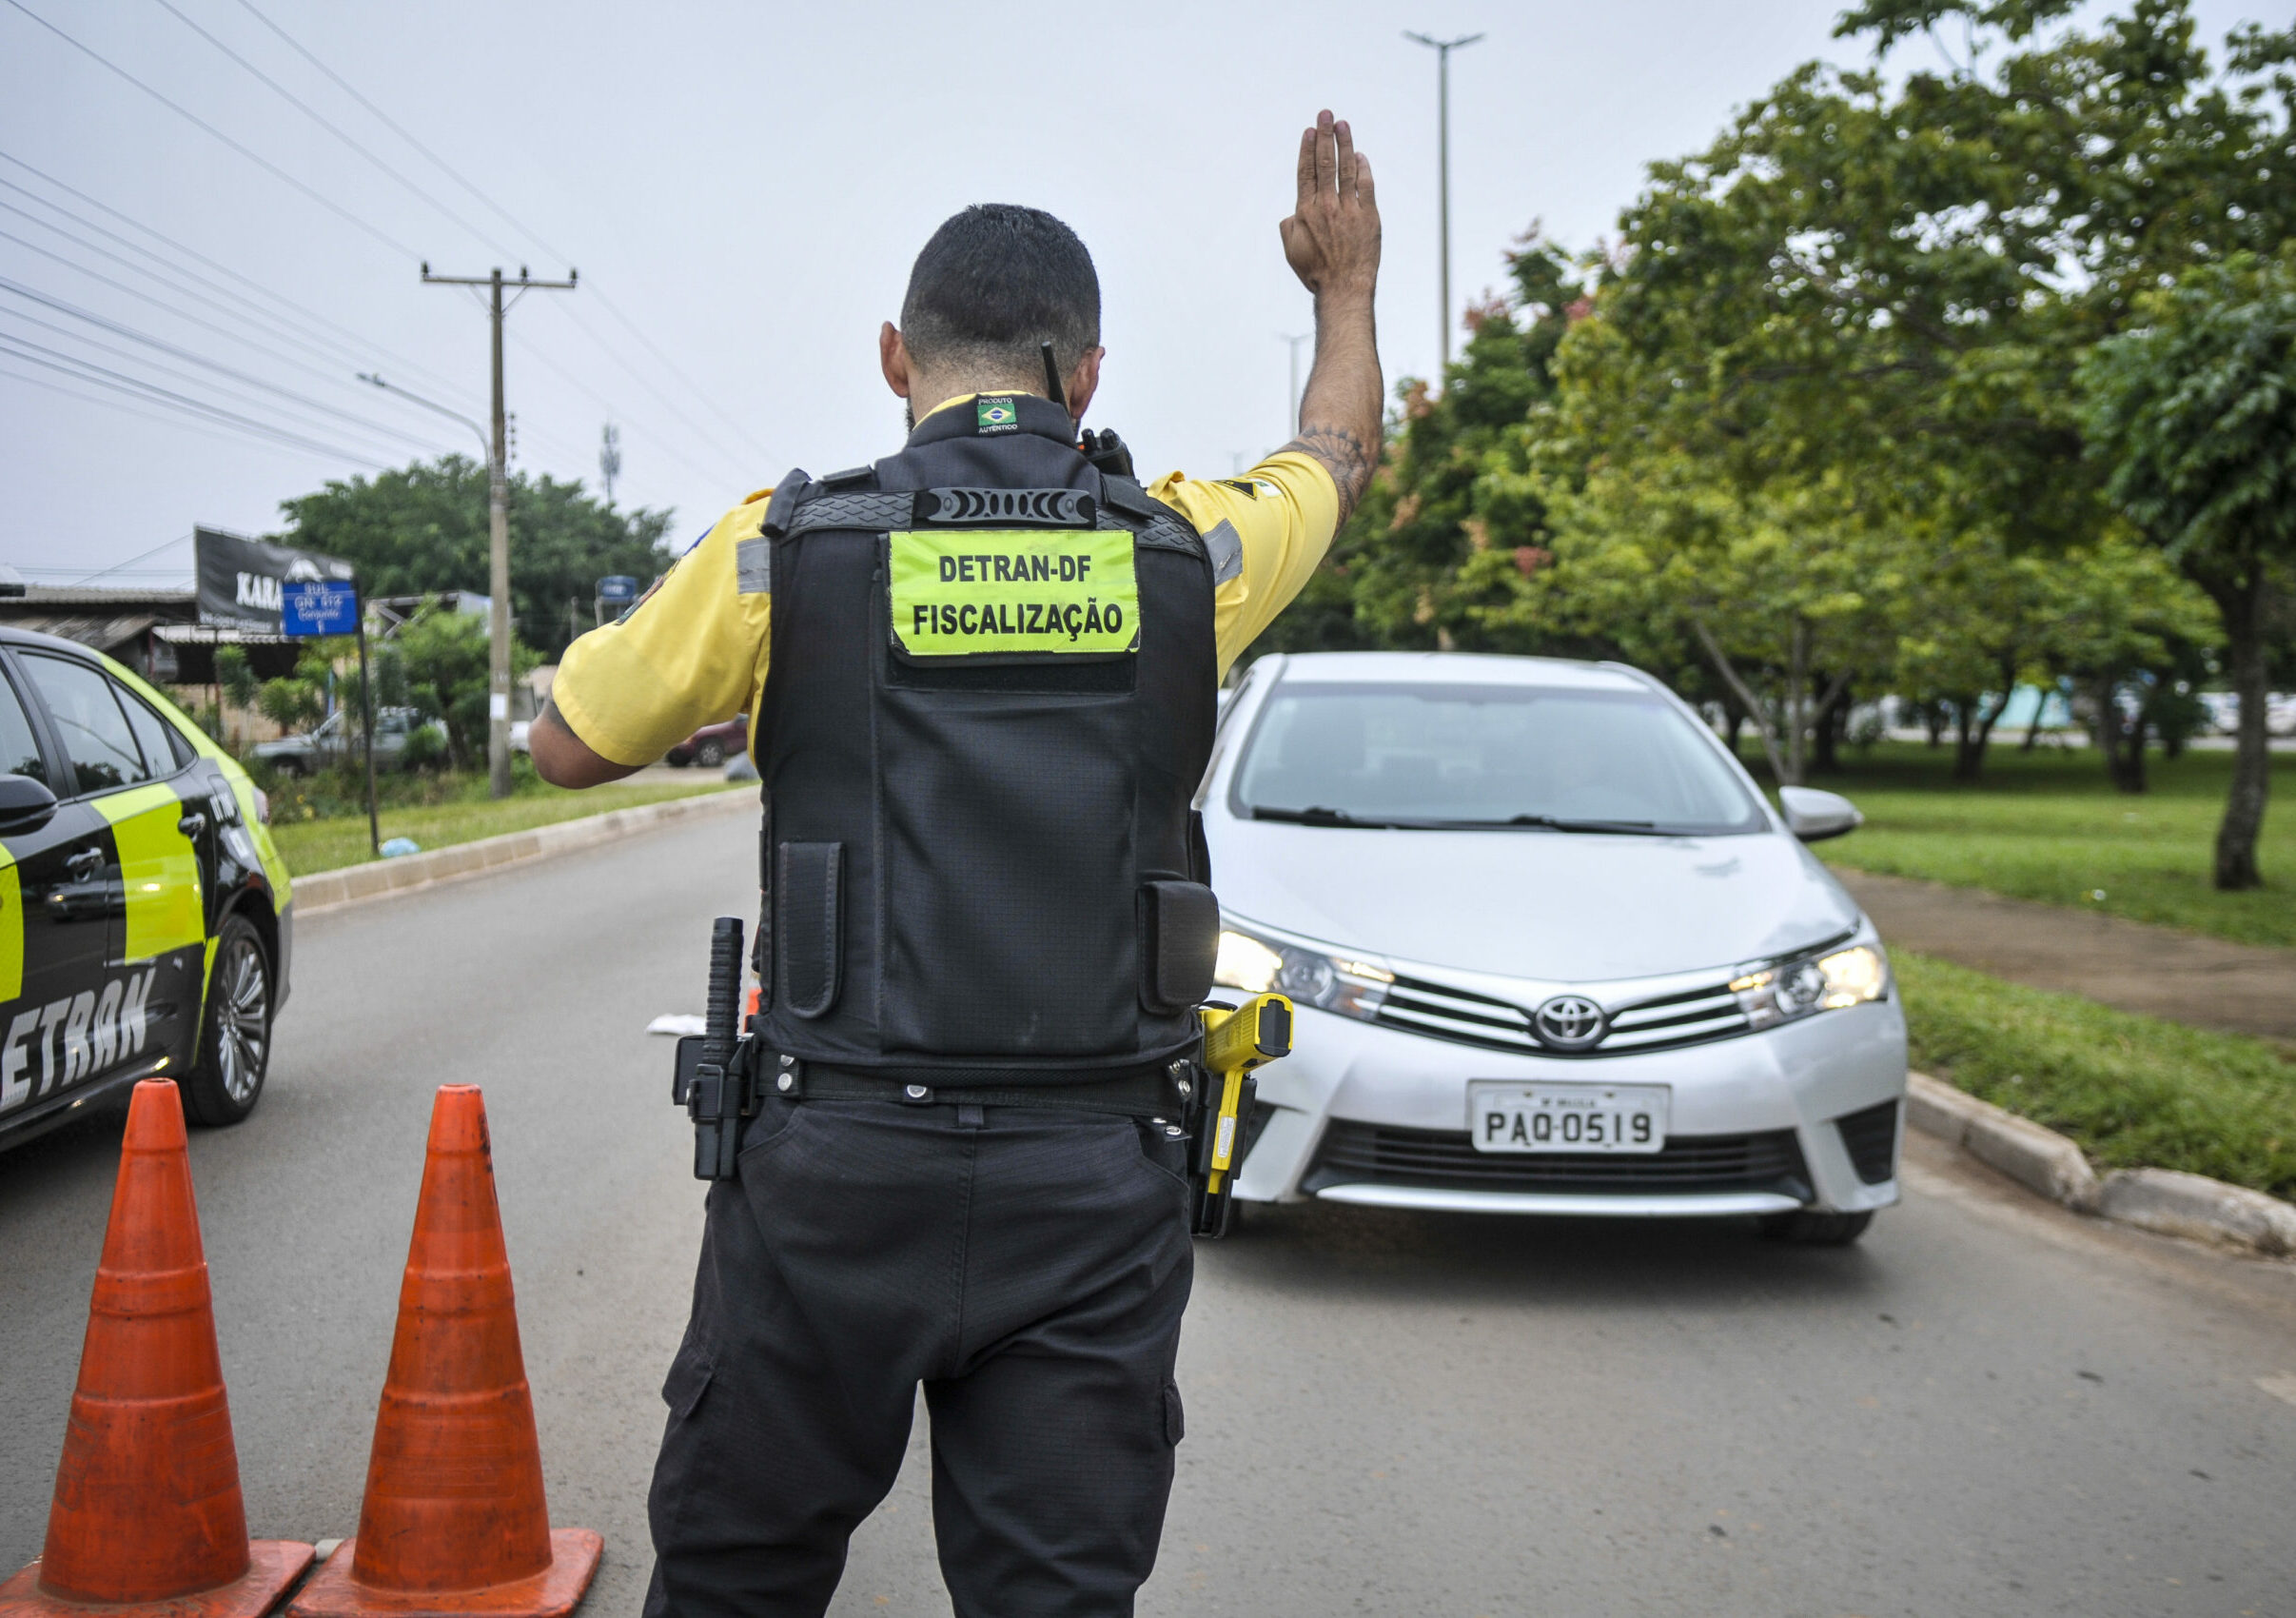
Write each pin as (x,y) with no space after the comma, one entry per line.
(986,926)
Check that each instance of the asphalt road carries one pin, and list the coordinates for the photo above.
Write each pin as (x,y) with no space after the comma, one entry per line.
(1988,1407)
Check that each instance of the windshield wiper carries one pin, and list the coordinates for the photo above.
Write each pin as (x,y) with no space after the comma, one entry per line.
(1314,814)
(1319,815)
(1548,823)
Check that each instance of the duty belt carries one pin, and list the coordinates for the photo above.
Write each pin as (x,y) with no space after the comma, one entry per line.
(1140,1095)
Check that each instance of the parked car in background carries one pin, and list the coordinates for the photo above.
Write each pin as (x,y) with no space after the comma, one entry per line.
(1551,952)
(146,908)
(336,738)
(711,744)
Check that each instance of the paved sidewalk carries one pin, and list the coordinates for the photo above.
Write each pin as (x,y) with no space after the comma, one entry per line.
(2207,982)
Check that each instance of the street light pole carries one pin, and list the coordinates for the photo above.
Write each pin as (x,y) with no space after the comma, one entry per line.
(1443,49)
(1294,342)
(498,525)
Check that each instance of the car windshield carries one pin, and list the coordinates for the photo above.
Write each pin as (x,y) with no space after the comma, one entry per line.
(1496,757)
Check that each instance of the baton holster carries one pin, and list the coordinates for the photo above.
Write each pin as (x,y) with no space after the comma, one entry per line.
(715,1076)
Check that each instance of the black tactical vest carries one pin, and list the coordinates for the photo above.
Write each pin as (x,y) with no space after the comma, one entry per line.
(988,702)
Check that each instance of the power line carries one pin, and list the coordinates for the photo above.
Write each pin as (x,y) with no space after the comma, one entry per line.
(134,388)
(528,231)
(174,276)
(61,307)
(193,291)
(103,572)
(264,164)
(138,292)
(540,357)
(133,357)
(699,430)
(196,425)
(368,349)
(312,113)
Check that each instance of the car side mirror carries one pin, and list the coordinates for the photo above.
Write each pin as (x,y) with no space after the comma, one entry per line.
(26,805)
(1813,815)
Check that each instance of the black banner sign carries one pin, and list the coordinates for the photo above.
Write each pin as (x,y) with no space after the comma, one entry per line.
(240,579)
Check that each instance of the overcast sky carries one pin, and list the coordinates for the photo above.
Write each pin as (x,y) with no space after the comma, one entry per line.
(742,187)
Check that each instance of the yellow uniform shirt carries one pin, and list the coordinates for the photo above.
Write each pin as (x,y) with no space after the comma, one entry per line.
(693,651)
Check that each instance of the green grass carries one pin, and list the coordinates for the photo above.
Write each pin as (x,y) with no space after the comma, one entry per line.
(318,830)
(2047,825)
(2135,1090)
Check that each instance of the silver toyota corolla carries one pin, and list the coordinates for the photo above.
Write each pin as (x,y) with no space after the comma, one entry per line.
(1552,950)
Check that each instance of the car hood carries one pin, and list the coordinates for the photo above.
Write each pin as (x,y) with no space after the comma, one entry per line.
(1562,907)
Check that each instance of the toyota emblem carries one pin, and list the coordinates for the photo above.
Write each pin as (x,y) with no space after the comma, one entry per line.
(1568,1022)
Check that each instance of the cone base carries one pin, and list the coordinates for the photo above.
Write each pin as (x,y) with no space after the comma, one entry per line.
(273,1565)
(551,1593)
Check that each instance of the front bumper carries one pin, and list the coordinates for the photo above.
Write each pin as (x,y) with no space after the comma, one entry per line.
(1368,1115)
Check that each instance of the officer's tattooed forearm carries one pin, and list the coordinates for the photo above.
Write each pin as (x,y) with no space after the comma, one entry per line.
(1346,455)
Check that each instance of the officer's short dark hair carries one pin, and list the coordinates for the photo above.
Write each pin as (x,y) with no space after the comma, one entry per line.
(994,281)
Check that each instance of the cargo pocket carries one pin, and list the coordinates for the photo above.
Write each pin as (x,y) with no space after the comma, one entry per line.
(1180,944)
(1175,1420)
(807,896)
(689,1378)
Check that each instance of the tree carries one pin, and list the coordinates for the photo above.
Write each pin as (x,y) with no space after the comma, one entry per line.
(1783,591)
(424,529)
(444,658)
(2195,415)
(1440,549)
(236,676)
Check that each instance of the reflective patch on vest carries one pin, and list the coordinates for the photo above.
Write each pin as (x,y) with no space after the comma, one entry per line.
(958,593)
(1226,547)
(753,566)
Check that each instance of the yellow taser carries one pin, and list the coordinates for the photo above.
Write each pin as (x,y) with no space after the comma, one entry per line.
(1235,1042)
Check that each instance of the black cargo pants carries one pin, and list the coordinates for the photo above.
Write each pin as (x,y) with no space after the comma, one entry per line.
(1027,1265)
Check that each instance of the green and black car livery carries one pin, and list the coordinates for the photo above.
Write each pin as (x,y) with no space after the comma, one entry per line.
(145,922)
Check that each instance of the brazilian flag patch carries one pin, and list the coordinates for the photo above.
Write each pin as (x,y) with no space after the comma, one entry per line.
(961,594)
(995,416)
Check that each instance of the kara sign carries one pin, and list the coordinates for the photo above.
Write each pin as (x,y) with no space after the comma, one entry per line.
(242,582)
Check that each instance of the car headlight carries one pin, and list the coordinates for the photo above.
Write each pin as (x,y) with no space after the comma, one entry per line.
(1796,988)
(1347,984)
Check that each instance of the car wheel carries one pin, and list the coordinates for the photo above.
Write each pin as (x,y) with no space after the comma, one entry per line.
(710,754)
(235,1035)
(676,758)
(1806,1226)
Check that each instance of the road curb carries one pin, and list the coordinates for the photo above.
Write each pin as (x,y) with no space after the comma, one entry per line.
(355,884)
(2164,1200)
(2192,1205)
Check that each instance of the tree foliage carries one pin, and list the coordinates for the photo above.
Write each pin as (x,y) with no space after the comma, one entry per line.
(1810,426)
(2194,414)
(423,528)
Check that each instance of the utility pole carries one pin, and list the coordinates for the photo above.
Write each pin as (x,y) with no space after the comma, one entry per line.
(1443,49)
(1295,342)
(610,457)
(498,523)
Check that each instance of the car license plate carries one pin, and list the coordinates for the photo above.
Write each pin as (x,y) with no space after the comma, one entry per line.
(1569,1117)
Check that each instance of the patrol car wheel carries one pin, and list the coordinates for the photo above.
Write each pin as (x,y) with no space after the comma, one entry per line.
(710,754)
(1804,1228)
(235,1037)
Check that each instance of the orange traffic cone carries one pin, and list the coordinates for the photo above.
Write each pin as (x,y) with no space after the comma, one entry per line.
(454,1521)
(147,1513)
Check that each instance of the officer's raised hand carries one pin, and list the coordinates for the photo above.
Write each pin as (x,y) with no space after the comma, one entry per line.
(1331,241)
(1332,236)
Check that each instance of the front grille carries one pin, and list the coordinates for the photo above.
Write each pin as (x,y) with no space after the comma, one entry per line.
(1871,1135)
(1465,1018)
(1358,1154)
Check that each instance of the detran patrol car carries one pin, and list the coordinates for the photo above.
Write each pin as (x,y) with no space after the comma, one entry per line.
(145,922)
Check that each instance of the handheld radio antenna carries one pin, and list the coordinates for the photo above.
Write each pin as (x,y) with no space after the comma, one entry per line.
(1052,388)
